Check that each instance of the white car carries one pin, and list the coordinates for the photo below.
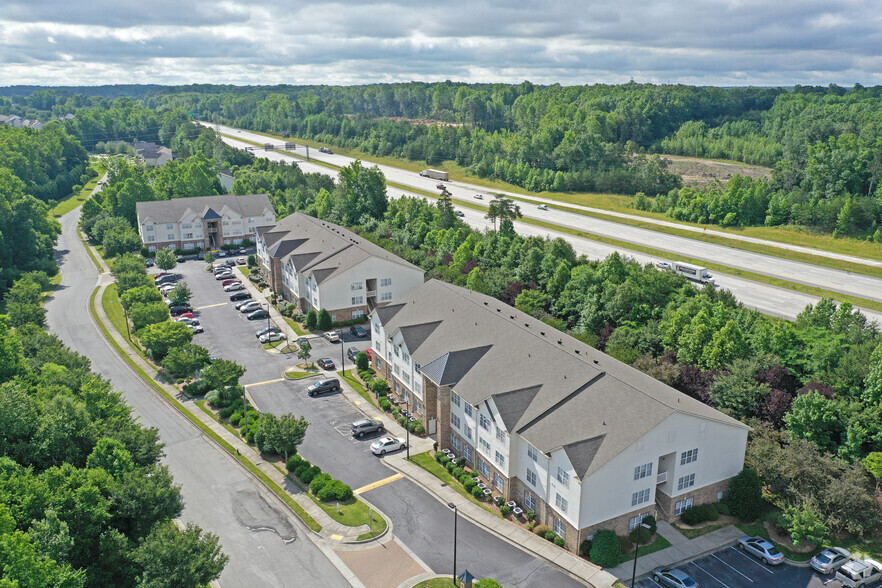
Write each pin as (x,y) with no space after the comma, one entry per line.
(762,549)
(233,287)
(663,265)
(196,328)
(240,261)
(387,444)
(479,197)
(332,337)
(270,337)
(186,320)
(543,207)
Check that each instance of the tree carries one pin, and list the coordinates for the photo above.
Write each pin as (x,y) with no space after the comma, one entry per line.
(872,394)
(152,313)
(324,320)
(128,264)
(873,463)
(311,319)
(746,495)
(445,208)
(119,240)
(24,303)
(180,294)
(209,258)
(111,456)
(305,352)
(363,191)
(284,434)
(222,373)
(169,557)
(804,524)
(362,361)
(737,392)
(161,337)
(532,302)
(166,260)
(814,418)
(140,295)
(183,361)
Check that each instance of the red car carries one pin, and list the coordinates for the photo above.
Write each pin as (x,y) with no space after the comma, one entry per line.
(185,315)
(159,275)
(228,282)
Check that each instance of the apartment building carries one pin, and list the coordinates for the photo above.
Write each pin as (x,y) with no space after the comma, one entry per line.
(582,439)
(203,222)
(317,264)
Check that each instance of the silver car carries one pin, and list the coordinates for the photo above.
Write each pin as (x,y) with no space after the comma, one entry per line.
(250,307)
(674,578)
(830,560)
(762,549)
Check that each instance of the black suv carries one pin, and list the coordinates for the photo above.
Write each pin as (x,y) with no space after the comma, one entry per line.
(176,309)
(352,352)
(365,426)
(322,386)
(358,332)
(240,295)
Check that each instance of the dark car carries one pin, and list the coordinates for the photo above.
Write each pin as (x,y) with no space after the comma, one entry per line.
(322,386)
(220,268)
(181,259)
(240,295)
(231,262)
(149,263)
(260,313)
(166,279)
(178,309)
(265,330)
(358,332)
(352,352)
(365,426)
(326,150)
(326,363)
(303,341)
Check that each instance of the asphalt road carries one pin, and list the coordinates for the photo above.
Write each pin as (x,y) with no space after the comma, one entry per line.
(419,520)
(762,297)
(267,547)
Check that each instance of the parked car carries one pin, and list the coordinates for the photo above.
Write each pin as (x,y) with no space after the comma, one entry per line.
(149,263)
(859,573)
(479,196)
(231,262)
(229,281)
(250,306)
(241,295)
(363,427)
(221,253)
(166,279)
(265,330)
(387,444)
(220,276)
(830,560)
(158,275)
(326,150)
(179,309)
(220,268)
(196,328)
(326,363)
(762,549)
(270,337)
(459,213)
(542,207)
(186,315)
(257,314)
(181,259)
(187,320)
(352,352)
(331,336)
(322,386)
(440,187)
(674,578)
(233,287)
(241,261)
(164,290)
(303,341)
(243,251)
(370,354)
(358,332)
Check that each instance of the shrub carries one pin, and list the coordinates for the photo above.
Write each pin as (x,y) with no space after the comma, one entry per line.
(235,418)
(362,361)
(531,525)
(478,493)
(550,535)
(504,510)
(541,530)
(299,469)
(450,466)
(640,535)
(531,515)
(460,461)
(308,474)
(723,508)
(319,482)
(335,490)
(418,428)
(498,500)
(650,520)
(624,543)
(700,514)
(385,404)
(197,388)
(469,484)
(293,461)
(585,548)
(212,397)
(457,472)
(324,320)
(444,460)
(439,455)
(402,421)
(746,495)
(606,551)
(311,319)
(559,541)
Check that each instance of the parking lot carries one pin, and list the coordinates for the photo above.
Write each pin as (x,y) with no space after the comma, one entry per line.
(731,568)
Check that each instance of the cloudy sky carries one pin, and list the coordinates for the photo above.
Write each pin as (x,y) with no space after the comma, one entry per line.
(714,42)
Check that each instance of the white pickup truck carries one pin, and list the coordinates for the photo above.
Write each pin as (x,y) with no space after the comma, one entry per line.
(858,573)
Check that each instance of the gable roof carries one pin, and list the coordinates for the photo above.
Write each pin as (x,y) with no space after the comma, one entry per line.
(206,207)
(553,390)
(581,454)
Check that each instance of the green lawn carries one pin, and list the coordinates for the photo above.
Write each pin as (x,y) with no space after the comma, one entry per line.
(657,545)
(296,326)
(693,533)
(114,310)
(353,513)
(759,529)
(428,463)
(75,199)
(443,582)
(274,344)
(358,386)
(295,375)
(870,546)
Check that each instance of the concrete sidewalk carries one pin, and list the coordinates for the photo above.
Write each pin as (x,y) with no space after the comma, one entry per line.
(681,550)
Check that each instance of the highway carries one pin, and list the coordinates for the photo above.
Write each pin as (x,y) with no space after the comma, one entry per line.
(767,299)
(266,545)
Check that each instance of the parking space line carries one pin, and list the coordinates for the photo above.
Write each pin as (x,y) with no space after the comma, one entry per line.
(710,574)
(262,383)
(210,306)
(378,483)
(732,567)
(750,558)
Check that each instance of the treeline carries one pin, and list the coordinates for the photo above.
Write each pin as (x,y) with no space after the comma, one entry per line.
(84,500)
(48,161)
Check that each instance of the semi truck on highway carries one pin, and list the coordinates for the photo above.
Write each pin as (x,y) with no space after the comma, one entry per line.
(435,174)
(693,272)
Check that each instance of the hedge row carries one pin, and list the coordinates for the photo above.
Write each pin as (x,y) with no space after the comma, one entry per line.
(323,486)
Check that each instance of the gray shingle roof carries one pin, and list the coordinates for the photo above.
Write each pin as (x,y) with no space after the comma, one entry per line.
(176,209)
(414,335)
(551,389)
(581,454)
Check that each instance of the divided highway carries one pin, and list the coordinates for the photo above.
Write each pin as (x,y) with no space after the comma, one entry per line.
(765,298)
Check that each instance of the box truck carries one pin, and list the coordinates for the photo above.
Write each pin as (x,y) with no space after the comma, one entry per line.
(693,272)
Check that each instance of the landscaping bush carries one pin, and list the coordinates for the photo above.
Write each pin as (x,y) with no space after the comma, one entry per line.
(212,397)
(700,514)
(334,490)
(439,455)
(531,515)
(319,482)
(366,375)
(418,428)
(444,460)
(235,418)
(362,361)
(541,530)
(293,461)
(323,321)
(723,508)
(450,466)
(385,404)
(498,500)
(460,461)
(650,520)
(458,472)
(298,471)
(380,387)
(469,483)
(550,535)
(504,510)
(606,551)
(311,319)
(478,493)
(308,474)
(559,541)
(531,525)
(641,535)
(197,388)
(746,495)
(585,548)
(402,420)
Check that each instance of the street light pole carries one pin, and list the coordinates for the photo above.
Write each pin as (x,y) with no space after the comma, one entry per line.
(636,551)
(128,333)
(453,506)
(407,427)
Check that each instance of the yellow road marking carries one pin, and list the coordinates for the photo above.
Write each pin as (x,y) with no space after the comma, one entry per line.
(211,305)
(378,483)
(337,537)
(262,383)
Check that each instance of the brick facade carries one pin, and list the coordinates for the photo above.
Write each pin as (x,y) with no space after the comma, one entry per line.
(704,495)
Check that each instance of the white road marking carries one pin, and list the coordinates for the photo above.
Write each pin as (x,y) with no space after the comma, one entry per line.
(732,567)
(751,559)
(710,574)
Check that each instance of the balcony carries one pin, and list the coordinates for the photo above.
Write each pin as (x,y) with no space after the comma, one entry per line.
(371,293)
(661,478)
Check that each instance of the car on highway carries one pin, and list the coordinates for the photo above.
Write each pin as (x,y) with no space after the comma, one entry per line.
(387,444)
(326,150)
(542,207)
(234,286)
(761,549)
(363,427)
(250,306)
(260,313)
(479,196)
(459,213)
(673,578)
(240,296)
(271,337)
(303,341)
(196,329)
(265,330)
(322,386)
(187,320)
(326,363)
(830,560)
(662,265)
(440,187)
(331,336)
(359,332)
(352,352)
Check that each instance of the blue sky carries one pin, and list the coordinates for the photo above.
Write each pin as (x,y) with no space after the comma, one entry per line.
(704,42)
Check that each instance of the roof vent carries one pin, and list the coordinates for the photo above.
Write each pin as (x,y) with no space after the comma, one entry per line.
(476,323)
